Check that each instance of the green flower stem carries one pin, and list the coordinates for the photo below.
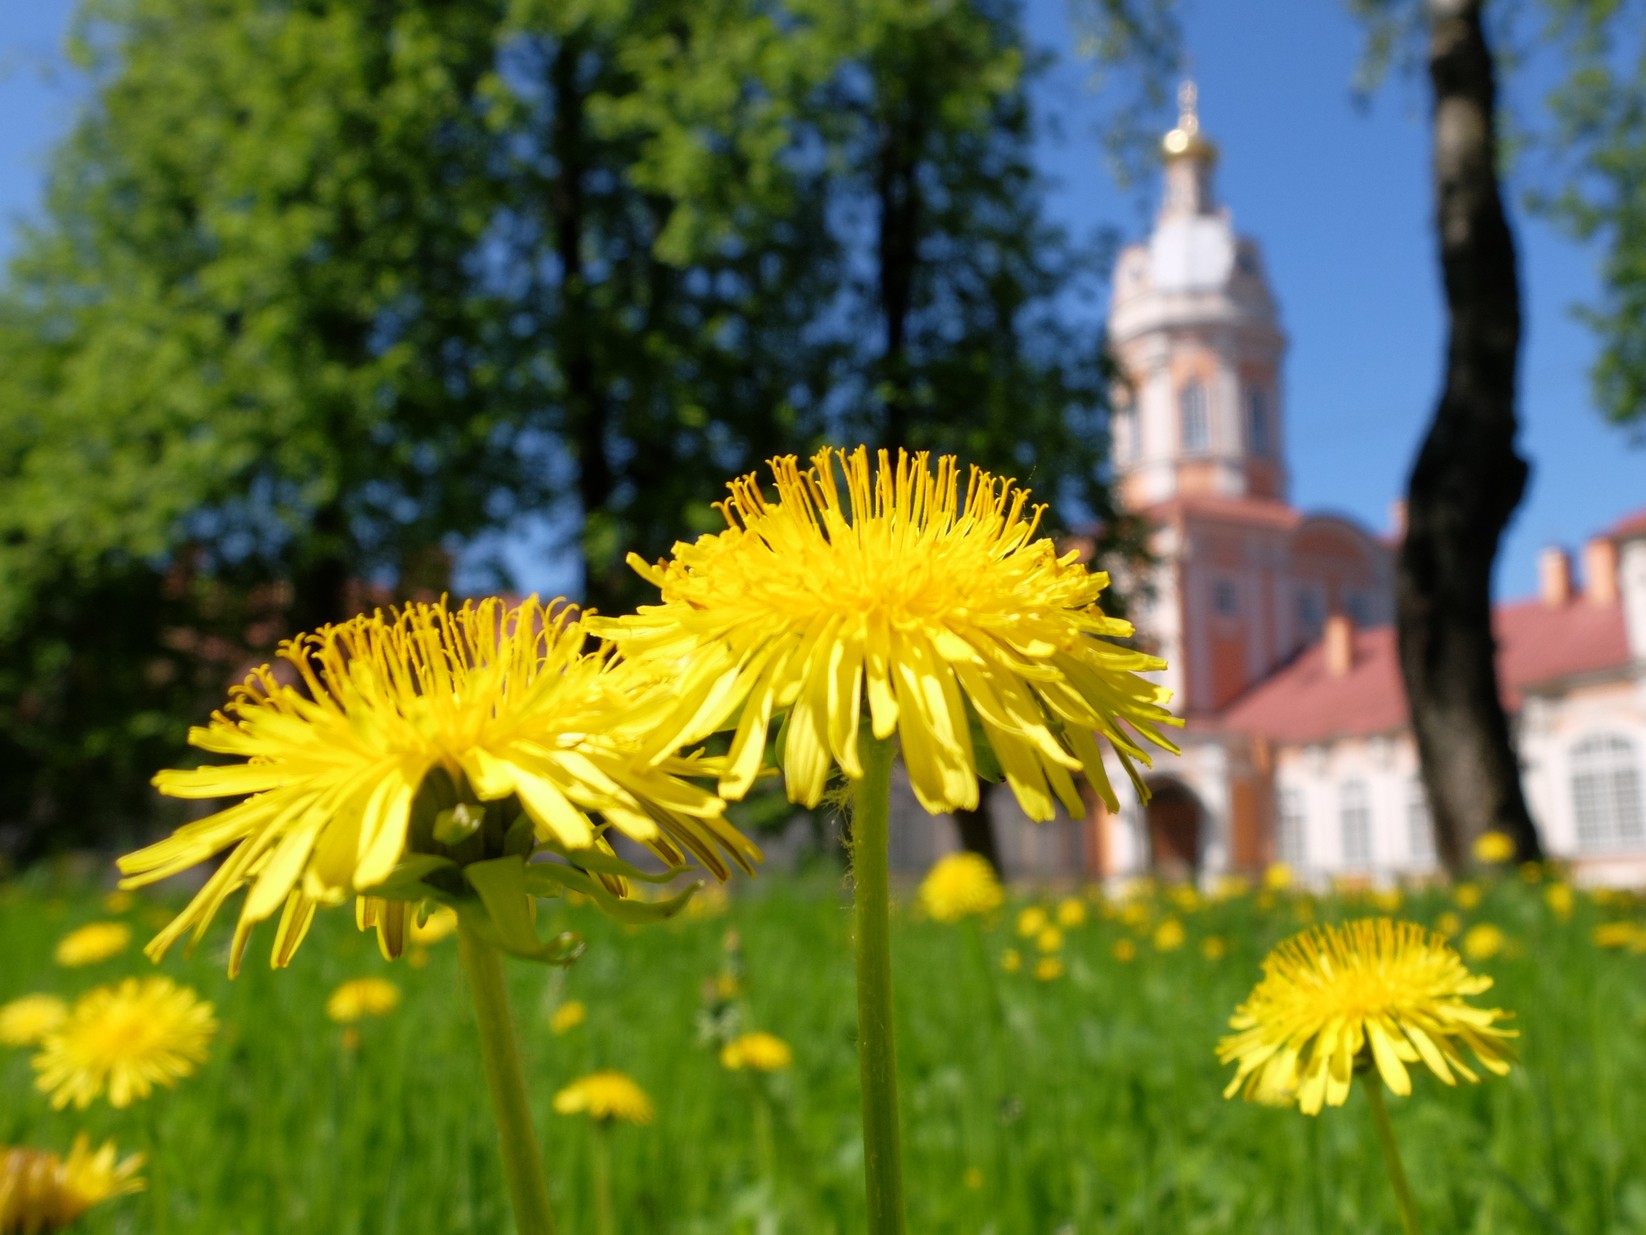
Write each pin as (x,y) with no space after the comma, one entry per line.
(604,1224)
(522,1162)
(1391,1155)
(877,1059)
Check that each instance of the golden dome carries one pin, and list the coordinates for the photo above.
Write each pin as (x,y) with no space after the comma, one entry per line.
(1186,140)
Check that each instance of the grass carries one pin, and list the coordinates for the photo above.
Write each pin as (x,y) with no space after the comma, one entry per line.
(1086,1104)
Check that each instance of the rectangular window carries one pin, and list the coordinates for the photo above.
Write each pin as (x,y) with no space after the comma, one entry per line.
(1225,597)
(1289,826)
(1196,428)
(1257,422)
(1355,817)
(1420,829)
(1311,611)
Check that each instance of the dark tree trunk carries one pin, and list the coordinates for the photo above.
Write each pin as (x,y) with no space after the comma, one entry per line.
(897,186)
(976,828)
(320,580)
(586,403)
(1468,478)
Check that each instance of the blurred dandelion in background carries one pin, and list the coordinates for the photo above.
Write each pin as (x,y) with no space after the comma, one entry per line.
(605,1096)
(756,1052)
(960,885)
(26,1020)
(94,942)
(567,1017)
(361,998)
(42,1193)
(124,1040)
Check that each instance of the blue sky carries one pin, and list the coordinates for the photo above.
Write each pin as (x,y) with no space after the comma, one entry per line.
(1339,198)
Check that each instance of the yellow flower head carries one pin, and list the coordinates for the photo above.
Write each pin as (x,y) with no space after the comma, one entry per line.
(1559,898)
(1031,921)
(1620,935)
(1049,940)
(359,998)
(1011,960)
(1447,923)
(1278,877)
(757,1052)
(941,607)
(567,1017)
(1467,895)
(26,1020)
(1124,951)
(1483,941)
(496,704)
(91,943)
(41,1193)
(1494,848)
(958,886)
(1214,947)
(1071,912)
(1375,992)
(605,1096)
(1169,936)
(124,1040)
(1048,968)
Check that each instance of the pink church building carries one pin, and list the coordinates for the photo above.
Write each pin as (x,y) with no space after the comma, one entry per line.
(1276,622)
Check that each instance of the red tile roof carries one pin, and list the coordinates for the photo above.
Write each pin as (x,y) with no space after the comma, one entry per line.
(1537,643)
(1628,527)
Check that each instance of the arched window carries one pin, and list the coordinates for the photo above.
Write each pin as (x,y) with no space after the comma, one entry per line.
(1606,793)
(1355,818)
(1290,846)
(1420,829)
(1192,408)
(1257,421)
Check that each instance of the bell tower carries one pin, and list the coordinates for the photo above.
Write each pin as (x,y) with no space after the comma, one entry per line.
(1197,334)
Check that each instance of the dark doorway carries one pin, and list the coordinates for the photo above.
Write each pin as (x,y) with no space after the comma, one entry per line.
(1174,816)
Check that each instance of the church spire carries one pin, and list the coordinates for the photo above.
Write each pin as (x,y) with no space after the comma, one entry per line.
(1189,156)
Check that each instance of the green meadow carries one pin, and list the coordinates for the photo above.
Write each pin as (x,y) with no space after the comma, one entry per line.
(1090,1102)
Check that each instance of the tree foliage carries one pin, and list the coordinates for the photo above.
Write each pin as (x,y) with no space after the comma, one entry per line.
(325,292)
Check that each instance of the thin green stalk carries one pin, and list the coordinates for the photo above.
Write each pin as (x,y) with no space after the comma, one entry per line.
(877,1061)
(603,1221)
(522,1161)
(765,1145)
(1391,1155)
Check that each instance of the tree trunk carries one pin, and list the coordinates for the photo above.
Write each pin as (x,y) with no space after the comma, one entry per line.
(976,828)
(586,403)
(1467,479)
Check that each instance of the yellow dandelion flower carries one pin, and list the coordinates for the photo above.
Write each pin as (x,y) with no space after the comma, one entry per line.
(1185,897)
(1386,900)
(1071,913)
(1494,848)
(1531,872)
(91,943)
(1448,924)
(605,1096)
(958,886)
(943,609)
(1371,993)
(568,1016)
(1049,940)
(41,1193)
(1561,901)
(1619,935)
(1214,947)
(1170,936)
(1278,877)
(1467,896)
(1483,941)
(1231,887)
(1048,968)
(1032,921)
(1124,951)
(757,1052)
(494,712)
(1011,960)
(26,1020)
(119,901)
(440,924)
(359,998)
(125,1040)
